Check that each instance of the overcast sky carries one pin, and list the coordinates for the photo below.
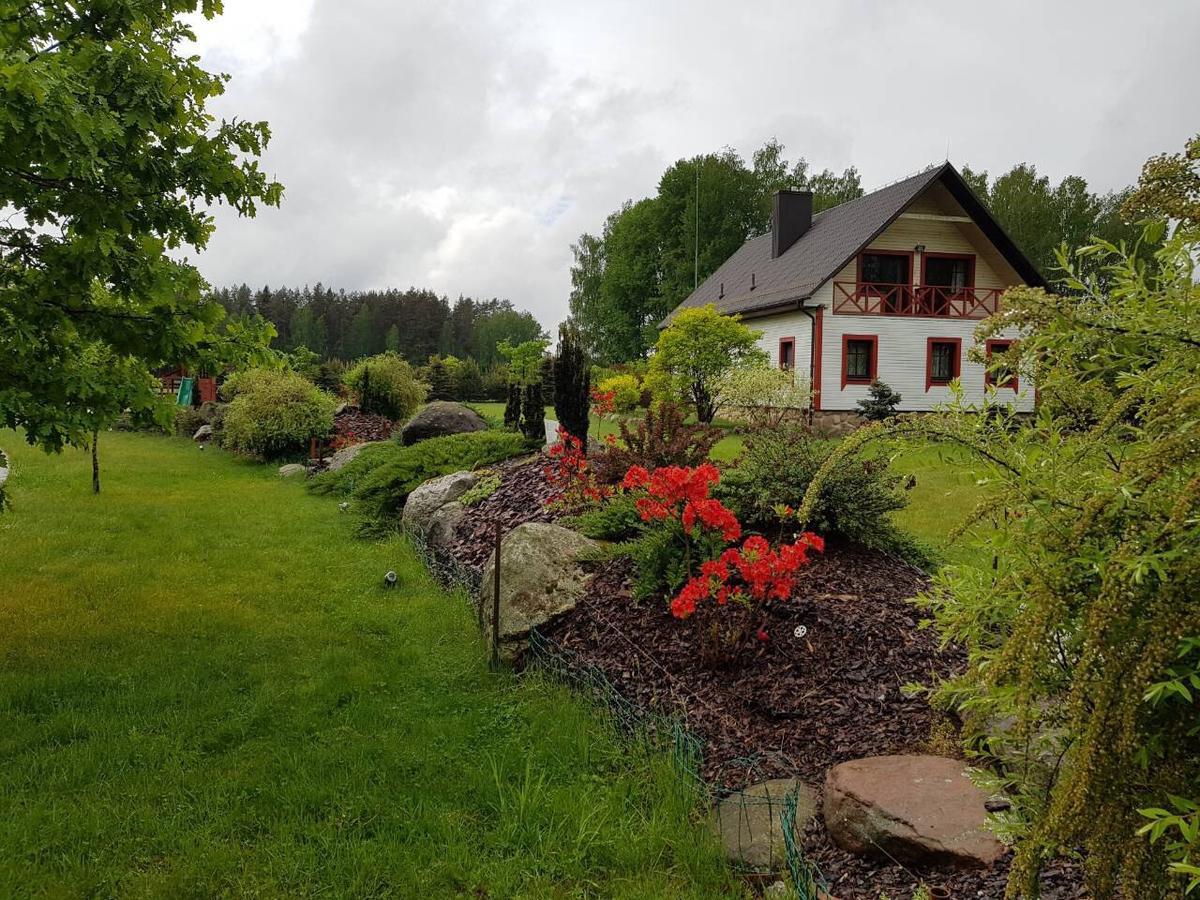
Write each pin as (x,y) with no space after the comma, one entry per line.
(463,146)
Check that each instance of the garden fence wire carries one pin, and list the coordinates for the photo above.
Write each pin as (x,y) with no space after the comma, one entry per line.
(734,811)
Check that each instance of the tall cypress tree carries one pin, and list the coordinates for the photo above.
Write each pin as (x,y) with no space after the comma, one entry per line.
(533,413)
(572,382)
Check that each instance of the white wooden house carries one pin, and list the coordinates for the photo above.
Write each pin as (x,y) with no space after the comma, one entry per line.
(890,286)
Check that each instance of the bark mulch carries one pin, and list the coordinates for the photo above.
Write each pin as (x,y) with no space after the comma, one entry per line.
(794,706)
(360,426)
(521,498)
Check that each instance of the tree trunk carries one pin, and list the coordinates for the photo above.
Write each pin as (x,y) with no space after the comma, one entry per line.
(95,462)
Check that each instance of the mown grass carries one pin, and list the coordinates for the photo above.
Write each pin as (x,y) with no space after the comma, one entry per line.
(946,493)
(726,449)
(205,691)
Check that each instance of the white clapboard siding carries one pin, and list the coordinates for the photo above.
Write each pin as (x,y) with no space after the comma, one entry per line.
(902,340)
(792,324)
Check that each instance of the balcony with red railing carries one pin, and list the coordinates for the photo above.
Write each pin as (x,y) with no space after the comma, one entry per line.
(875,299)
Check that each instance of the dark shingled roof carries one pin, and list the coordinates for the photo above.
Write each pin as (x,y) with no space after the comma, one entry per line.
(837,235)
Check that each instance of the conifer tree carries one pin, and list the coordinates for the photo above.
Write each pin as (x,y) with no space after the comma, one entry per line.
(572,382)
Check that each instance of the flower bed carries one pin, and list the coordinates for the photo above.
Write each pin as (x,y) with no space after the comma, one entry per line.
(789,702)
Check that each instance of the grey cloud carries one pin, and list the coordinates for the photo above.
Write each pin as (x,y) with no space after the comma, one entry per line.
(463,147)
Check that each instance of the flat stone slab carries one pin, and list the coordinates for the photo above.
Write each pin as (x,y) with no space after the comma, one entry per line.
(749,824)
(917,809)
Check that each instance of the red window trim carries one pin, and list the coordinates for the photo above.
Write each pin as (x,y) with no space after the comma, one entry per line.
(969,257)
(1014,382)
(872,252)
(957,342)
(874,340)
(790,341)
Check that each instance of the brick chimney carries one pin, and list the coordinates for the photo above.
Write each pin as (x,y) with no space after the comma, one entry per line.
(791,217)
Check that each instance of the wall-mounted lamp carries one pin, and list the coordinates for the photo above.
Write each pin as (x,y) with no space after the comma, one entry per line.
(920,248)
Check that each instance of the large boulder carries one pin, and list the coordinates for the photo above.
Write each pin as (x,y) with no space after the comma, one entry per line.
(432,496)
(917,809)
(443,524)
(439,418)
(340,459)
(203,433)
(292,470)
(749,826)
(543,574)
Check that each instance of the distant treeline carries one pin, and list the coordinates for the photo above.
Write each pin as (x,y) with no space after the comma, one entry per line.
(415,323)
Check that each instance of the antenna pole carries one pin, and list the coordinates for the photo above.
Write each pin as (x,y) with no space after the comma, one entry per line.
(696,258)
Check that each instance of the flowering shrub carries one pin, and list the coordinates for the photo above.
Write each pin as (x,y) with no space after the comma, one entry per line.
(685,526)
(570,475)
(751,575)
(604,403)
(676,492)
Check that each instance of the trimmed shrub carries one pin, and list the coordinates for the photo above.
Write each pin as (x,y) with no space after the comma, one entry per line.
(854,502)
(386,385)
(244,381)
(626,391)
(379,480)
(661,439)
(274,414)
(188,419)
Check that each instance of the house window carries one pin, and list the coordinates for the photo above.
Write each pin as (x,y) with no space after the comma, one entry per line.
(999,373)
(787,354)
(860,353)
(888,277)
(948,271)
(942,360)
(885,268)
(945,277)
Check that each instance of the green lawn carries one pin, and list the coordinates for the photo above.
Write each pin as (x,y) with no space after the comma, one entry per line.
(726,449)
(205,691)
(945,495)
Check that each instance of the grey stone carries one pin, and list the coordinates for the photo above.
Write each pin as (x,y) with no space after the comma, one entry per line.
(440,418)
(340,459)
(749,826)
(916,809)
(443,524)
(431,496)
(291,470)
(542,575)
(344,408)
(203,433)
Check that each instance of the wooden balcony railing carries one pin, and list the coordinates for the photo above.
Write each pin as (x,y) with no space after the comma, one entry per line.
(868,299)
